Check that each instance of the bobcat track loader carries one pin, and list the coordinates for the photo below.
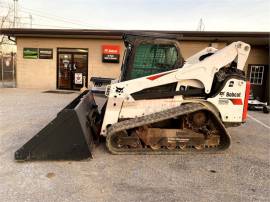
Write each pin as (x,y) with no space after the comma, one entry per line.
(162,104)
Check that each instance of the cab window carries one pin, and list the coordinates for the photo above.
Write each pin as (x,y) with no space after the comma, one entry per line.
(152,59)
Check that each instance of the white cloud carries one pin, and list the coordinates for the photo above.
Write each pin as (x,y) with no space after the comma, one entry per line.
(234,15)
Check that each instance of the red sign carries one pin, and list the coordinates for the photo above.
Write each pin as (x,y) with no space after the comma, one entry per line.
(110,53)
(111,49)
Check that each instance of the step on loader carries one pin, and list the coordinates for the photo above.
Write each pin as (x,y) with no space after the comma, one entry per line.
(161,104)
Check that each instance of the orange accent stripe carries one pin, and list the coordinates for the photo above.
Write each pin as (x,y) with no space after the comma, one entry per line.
(237,101)
(245,109)
(152,78)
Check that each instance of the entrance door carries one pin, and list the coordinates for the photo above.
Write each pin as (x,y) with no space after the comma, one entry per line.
(72,67)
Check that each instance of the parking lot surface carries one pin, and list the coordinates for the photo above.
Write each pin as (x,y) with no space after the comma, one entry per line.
(239,174)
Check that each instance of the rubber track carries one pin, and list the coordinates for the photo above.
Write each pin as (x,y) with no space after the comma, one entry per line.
(160,116)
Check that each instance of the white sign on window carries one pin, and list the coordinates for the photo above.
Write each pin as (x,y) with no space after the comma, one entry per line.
(78,78)
(8,62)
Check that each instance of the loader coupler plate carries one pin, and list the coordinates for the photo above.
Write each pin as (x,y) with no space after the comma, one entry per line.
(70,136)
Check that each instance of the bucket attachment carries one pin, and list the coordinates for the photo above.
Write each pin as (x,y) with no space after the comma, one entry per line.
(70,136)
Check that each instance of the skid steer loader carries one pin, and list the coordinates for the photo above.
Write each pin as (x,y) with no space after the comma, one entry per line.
(162,104)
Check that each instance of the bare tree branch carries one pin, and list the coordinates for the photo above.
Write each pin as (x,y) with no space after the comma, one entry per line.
(6,22)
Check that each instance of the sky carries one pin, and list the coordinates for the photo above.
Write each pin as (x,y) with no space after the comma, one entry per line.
(216,15)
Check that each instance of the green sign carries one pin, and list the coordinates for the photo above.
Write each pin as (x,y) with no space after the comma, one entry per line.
(30,53)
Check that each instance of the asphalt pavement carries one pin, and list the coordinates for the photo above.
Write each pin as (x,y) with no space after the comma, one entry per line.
(239,174)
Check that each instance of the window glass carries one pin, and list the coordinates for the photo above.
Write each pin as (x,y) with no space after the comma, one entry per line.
(152,59)
(256,74)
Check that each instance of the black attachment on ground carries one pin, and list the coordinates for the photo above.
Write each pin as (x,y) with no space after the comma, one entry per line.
(70,136)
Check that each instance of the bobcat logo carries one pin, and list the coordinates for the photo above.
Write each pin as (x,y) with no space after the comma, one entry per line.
(232,94)
(222,94)
(119,90)
(231,83)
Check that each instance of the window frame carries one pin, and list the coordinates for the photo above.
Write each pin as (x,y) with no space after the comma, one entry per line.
(258,75)
(178,64)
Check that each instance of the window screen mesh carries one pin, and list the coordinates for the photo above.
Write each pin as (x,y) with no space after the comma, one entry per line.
(152,59)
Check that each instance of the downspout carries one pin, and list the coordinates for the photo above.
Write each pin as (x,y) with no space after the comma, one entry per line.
(13,40)
(13,63)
